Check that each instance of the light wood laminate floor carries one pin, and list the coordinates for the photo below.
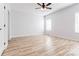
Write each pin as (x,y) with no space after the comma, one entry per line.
(41,45)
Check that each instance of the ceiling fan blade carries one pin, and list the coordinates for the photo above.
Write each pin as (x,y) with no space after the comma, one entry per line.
(37,8)
(39,4)
(48,4)
(48,8)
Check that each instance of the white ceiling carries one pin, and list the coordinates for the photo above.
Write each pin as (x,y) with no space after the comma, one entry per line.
(30,7)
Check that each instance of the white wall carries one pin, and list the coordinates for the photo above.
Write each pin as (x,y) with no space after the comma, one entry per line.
(26,20)
(25,23)
(64,22)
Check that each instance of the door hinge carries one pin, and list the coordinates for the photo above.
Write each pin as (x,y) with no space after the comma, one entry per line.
(4,43)
(4,25)
(4,7)
(0,28)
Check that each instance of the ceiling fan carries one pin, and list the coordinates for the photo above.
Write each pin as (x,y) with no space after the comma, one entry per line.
(44,6)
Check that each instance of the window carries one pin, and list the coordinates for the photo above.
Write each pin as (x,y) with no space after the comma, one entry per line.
(77,23)
(48,24)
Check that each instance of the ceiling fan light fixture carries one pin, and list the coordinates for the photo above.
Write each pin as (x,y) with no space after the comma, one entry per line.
(43,9)
(44,6)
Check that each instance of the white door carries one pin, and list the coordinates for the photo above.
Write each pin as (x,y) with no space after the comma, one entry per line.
(1,28)
(5,25)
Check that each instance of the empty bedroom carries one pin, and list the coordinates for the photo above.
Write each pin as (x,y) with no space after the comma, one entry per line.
(39,29)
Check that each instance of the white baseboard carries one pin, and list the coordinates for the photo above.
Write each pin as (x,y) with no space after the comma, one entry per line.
(69,38)
(25,35)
